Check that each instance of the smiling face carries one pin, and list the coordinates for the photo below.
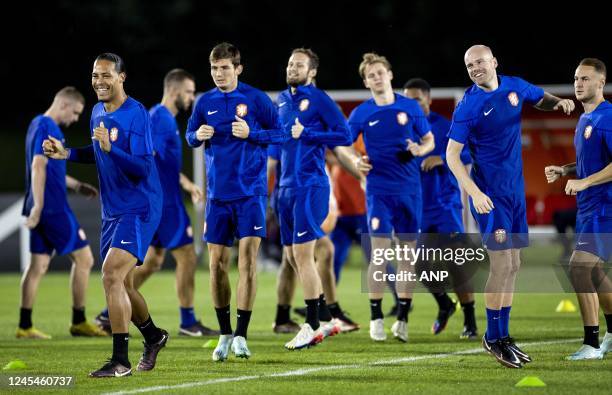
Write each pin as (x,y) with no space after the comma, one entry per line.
(225,74)
(377,78)
(588,83)
(481,65)
(299,71)
(106,82)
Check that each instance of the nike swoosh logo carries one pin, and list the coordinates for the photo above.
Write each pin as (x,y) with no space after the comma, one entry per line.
(117,374)
(126,242)
(282,104)
(212,112)
(257,227)
(488,112)
(372,123)
(300,234)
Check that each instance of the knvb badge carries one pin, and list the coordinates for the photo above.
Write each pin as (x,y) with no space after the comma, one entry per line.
(114,134)
(402,118)
(242,110)
(513,99)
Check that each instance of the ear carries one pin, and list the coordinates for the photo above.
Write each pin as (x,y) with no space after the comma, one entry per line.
(312,73)
(390,75)
(494,60)
(365,83)
(122,77)
(239,69)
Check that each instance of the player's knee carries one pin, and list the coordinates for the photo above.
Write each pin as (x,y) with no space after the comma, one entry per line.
(580,277)
(325,254)
(155,264)
(39,268)
(186,258)
(218,267)
(110,278)
(514,268)
(302,256)
(128,283)
(85,262)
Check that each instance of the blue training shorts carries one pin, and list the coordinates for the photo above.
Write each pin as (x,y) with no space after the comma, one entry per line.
(226,220)
(301,212)
(505,227)
(130,232)
(174,228)
(59,232)
(594,235)
(395,213)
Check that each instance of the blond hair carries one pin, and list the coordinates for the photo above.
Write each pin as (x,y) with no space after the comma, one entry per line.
(371,58)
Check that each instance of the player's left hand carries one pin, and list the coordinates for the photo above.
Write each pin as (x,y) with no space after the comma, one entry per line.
(197,195)
(553,173)
(431,161)
(34,217)
(101,135)
(565,105)
(87,190)
(414,148)
(297,129)
(240,128)
(363,164)
(574,186)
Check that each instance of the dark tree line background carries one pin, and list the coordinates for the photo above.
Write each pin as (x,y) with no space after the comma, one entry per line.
(47,46)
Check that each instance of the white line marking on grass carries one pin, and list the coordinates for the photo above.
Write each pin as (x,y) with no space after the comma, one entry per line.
(306,371)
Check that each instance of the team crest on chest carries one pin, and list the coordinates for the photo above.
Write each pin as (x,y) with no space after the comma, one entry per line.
(402,118)
(513,99)
(375,223)
(242,110)
(587,131)
(304,104)
(500,235)
(114,134)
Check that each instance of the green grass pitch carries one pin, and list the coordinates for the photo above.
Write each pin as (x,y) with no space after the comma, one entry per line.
(349,363)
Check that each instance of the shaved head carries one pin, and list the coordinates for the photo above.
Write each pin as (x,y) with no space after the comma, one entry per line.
(481,66)
(478,50)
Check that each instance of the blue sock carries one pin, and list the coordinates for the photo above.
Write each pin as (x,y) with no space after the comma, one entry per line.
(104,313)
(187,317)
(504,322)
(492,325)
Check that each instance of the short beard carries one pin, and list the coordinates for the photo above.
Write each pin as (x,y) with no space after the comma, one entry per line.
(180,104)
(294,83)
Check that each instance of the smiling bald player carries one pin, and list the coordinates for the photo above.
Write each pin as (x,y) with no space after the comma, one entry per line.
(488,121)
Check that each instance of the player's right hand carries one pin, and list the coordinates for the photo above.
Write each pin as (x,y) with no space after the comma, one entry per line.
(363,164)
(34,217)
(553,173)
(297,129)
(54,149)
(482,203)
(565,105)
(205,132)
